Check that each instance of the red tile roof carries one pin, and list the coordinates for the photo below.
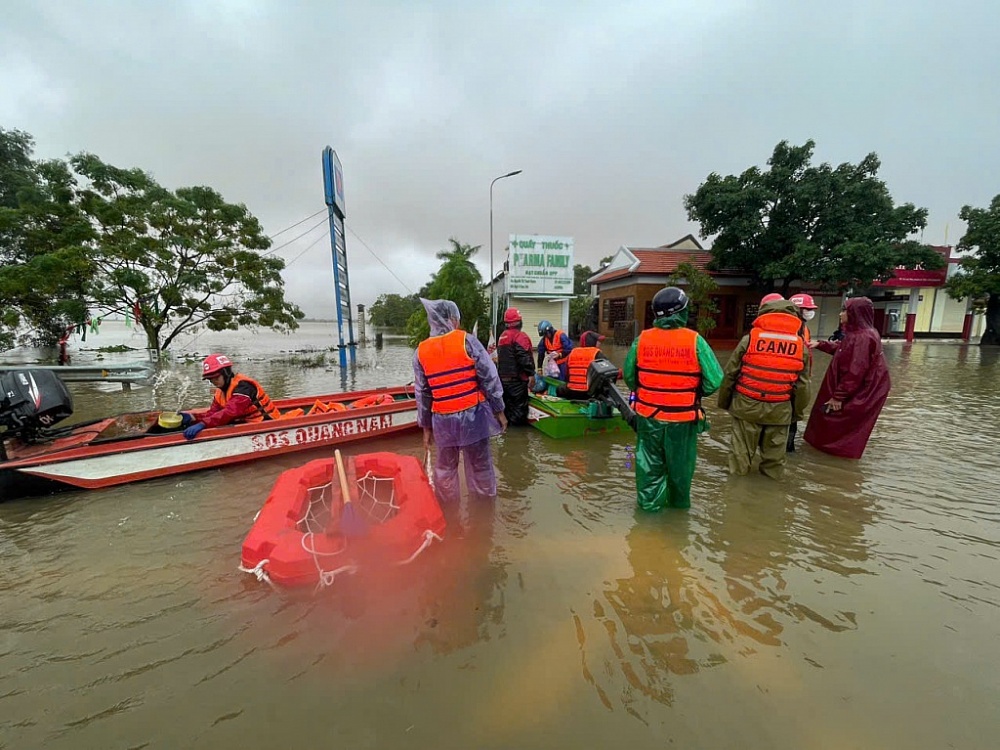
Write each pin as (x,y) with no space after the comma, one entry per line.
(659,261)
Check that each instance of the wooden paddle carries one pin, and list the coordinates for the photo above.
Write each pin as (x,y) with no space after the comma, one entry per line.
(350,522)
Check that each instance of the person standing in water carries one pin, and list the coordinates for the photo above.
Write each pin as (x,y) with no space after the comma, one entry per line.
(459,403)
(766,388)
(670,367)
(807,311)
(855,387)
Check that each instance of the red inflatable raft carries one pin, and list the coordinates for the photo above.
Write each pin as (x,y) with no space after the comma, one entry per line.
(297,540)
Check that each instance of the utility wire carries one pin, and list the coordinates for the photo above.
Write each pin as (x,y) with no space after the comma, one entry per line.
(301,221)
(365,245)
(296,238)
(307,247)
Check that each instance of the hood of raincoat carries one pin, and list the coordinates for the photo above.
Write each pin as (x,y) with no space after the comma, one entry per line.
(779,305)
(442,315)
(677,320)
(860,314)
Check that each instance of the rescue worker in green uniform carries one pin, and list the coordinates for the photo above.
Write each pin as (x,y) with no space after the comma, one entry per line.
(766,387)
(670,367)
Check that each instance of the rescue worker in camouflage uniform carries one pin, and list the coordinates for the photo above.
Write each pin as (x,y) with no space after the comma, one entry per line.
(670,367)
(766,387)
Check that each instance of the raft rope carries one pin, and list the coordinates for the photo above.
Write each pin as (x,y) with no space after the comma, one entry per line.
(429,537)
(258,571)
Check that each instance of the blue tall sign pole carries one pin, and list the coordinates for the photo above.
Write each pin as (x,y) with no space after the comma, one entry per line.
(333,184)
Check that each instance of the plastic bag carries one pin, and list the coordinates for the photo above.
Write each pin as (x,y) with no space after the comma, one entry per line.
(549,367)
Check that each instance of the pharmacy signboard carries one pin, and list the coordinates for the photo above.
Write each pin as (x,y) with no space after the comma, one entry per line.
(540,265)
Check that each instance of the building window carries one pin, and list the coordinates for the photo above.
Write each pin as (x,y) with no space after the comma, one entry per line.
(618,309)
(606,310)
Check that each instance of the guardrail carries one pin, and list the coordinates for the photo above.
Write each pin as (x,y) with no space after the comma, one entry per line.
(138,372)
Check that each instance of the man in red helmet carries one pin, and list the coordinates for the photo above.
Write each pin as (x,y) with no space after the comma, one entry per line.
(515,367)
(238,399)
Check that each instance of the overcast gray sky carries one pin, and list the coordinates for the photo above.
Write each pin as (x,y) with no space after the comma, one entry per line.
(614,110)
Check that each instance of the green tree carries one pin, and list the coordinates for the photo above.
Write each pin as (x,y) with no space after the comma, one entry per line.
(459,280)
(580,275)
(393,310)
(182,258)
(699,287)
(579,311)
(826,226)
(44,262)
(979,277)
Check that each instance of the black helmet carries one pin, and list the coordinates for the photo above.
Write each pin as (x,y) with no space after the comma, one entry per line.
(669,301)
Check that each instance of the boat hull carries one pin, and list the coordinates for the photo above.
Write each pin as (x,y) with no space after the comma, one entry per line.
(78,461)
(561,418)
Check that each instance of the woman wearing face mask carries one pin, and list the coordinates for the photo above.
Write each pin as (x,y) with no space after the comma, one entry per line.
(807,311)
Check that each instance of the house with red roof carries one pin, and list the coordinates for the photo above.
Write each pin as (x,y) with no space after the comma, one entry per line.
(626,286)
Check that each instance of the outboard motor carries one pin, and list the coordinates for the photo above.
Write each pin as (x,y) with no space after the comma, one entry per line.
(31,401)
(602,375)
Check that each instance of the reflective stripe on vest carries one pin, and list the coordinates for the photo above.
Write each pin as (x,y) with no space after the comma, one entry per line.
(555,345)
(451,373)
(577,363)
(773,359)
(263,407)
(669,375)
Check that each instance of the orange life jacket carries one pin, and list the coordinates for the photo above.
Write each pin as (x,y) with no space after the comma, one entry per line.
(773,359)
(375,399)
(669,375)
(577,363)
(263,407)
(554,344)
(451,373)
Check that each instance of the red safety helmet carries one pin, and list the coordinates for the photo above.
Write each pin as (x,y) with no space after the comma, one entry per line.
(214,363)
(511,315)
(803,300)
(772,297)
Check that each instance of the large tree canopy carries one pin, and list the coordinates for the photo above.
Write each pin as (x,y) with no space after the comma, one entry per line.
(459,280)
(979,277)
(86,236)
(821,225)
(44,262)
(179,259)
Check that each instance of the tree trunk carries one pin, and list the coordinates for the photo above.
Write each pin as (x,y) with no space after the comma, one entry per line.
(152,337)
(991,336)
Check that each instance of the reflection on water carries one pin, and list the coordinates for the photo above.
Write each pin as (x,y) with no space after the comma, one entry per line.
(850,605)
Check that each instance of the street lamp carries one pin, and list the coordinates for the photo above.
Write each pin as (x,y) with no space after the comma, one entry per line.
(493,306)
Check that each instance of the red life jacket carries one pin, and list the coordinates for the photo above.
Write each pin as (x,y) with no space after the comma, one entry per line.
(554,344)
(263,407)
(451,373)
(773,359)
(669,375)
(577,363)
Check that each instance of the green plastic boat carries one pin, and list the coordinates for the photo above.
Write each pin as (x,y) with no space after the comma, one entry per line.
(562,418)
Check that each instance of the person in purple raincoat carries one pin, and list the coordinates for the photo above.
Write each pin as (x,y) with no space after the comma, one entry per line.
(459,403)
(855,387)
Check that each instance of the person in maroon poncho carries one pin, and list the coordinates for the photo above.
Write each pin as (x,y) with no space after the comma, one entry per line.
(855,387)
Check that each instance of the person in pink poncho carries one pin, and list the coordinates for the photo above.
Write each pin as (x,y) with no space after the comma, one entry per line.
(855,387)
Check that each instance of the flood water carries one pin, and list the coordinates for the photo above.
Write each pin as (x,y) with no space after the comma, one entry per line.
(851,605)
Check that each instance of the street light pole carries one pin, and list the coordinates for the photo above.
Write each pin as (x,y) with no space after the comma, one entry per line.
(493,306)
